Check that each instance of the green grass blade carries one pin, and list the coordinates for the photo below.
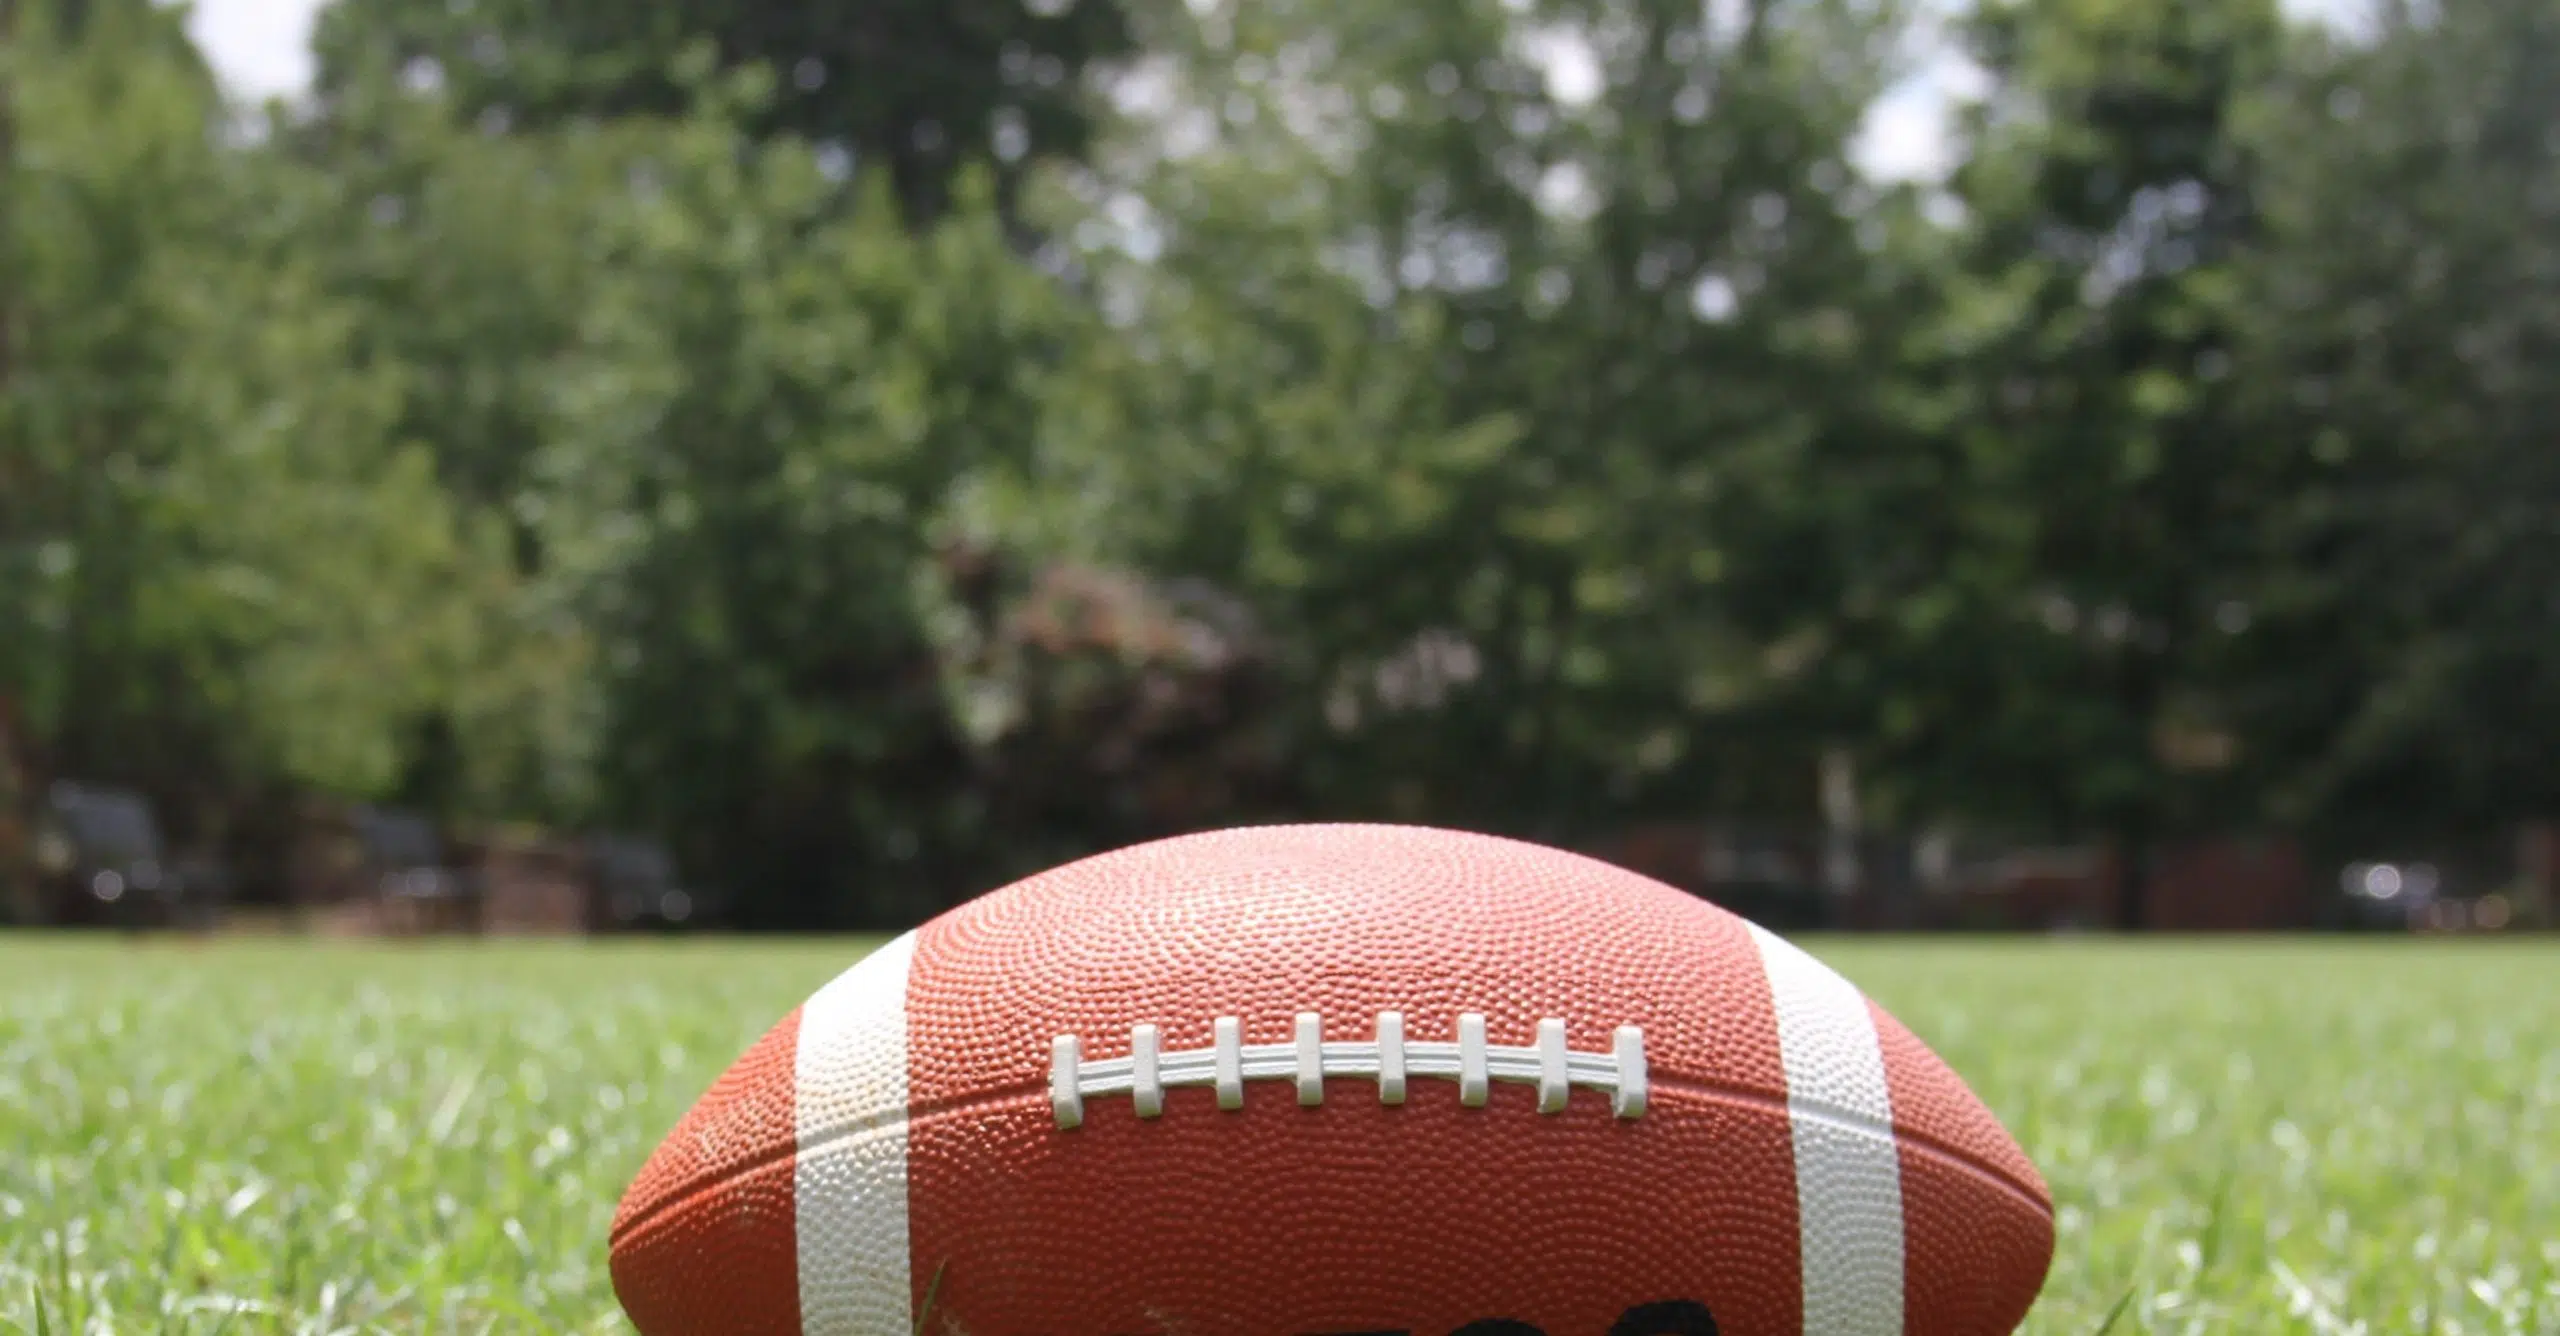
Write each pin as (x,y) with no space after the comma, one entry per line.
(2116,1314)
(932,1290)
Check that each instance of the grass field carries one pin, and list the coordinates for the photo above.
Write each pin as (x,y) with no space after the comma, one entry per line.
(2317,1137)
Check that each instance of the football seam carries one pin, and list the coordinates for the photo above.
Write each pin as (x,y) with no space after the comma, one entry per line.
(631,1230)
(1308,1061)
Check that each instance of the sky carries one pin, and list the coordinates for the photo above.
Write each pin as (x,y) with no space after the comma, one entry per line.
(262,49)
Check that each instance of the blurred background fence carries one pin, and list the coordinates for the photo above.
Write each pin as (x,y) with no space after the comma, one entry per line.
(793,466)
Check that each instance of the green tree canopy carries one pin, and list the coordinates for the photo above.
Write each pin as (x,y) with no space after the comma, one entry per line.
(226,571)
(921,86)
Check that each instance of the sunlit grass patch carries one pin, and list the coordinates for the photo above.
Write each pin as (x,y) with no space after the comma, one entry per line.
(2313,1137)
(323,1139)
(2316,1136)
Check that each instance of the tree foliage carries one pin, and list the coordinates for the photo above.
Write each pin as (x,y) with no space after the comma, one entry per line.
(1507,376)
(777,422)
(2405,321)
(884,452)
(2106,499)
(228,572)
(923,86)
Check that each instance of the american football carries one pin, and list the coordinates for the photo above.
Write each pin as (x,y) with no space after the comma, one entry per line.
(1336,1079)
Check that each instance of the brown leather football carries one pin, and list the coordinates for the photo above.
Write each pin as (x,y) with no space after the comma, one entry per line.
(1336,1079)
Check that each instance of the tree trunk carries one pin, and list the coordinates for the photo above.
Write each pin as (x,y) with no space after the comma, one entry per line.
(2133,873)
(1841,873)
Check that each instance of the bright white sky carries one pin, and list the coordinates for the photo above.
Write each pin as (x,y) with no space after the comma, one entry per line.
(262,49)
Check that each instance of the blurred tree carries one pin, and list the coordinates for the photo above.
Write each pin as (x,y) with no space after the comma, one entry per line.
(15,465)
(922,86)
(1510,413)
(778,417)
(2097,505)
(224,575)
(466,260)
(2405,320)
(467,257)
(30,32)
(1478,382)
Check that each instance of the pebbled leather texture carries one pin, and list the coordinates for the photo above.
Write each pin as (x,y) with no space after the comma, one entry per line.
(1351,1216)
(703,1239)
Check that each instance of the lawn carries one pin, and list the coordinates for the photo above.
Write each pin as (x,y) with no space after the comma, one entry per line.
(2247,1137)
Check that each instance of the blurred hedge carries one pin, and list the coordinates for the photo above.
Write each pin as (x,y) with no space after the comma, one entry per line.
(887,452)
